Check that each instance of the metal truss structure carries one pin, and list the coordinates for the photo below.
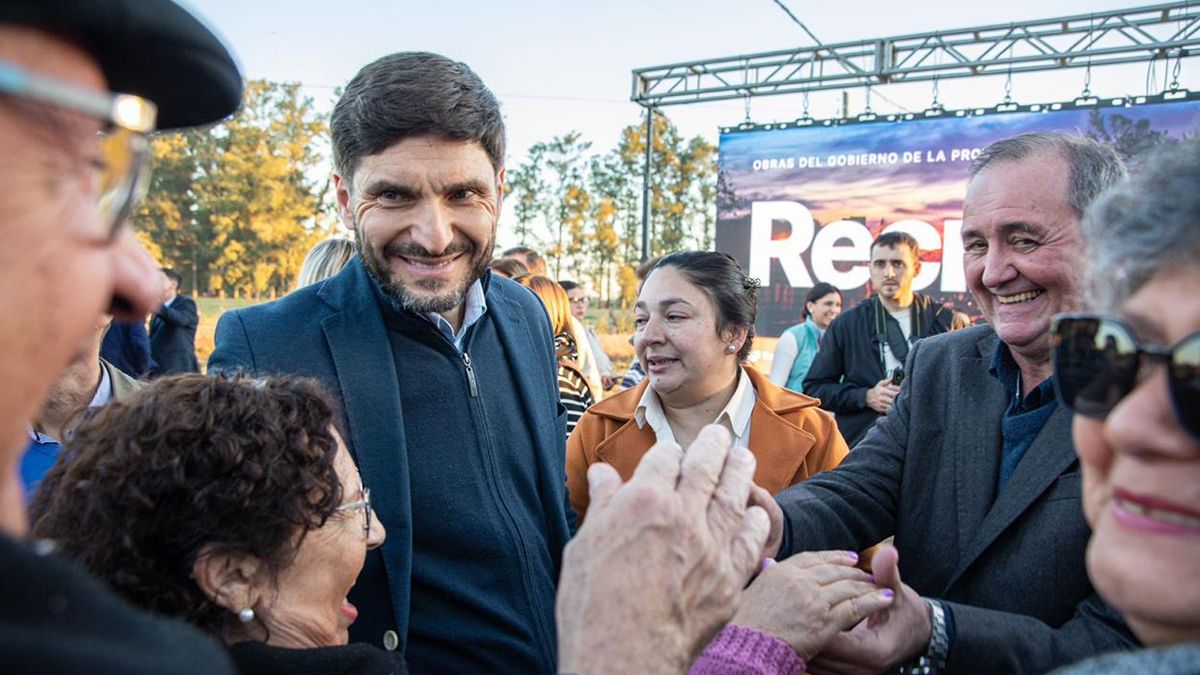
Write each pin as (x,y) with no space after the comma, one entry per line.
(1136,35)
(1087,40)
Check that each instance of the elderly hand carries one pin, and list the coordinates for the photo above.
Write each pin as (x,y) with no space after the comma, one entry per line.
(660,563)
(760,497)
(887,639)
(809,598)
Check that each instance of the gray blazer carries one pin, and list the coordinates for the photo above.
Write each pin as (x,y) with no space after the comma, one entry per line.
(1011,568)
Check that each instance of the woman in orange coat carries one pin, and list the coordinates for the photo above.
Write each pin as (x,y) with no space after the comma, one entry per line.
(694,328)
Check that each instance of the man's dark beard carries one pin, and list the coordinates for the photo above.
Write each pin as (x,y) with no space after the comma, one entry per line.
(376,266)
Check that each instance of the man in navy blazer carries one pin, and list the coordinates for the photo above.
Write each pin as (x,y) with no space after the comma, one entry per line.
(973,470)
(446,376)
(173,330)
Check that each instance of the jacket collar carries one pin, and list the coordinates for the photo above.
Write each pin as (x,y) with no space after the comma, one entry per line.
(779,445)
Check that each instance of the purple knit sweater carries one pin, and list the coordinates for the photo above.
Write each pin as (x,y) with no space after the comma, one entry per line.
(745,651)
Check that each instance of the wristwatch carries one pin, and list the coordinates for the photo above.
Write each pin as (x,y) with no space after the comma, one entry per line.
(934,659)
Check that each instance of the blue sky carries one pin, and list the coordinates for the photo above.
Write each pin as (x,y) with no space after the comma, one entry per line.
(562,65)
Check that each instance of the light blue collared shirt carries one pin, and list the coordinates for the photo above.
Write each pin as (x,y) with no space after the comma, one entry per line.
(474,307)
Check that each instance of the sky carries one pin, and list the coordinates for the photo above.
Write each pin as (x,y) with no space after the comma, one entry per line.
(563,65)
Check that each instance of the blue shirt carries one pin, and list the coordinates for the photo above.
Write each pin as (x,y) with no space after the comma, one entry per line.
(1024,418)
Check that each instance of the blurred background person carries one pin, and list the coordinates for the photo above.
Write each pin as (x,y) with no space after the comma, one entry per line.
(1130,372)
(88,383)
(126,345)
(231,503)
(509,268)
(573,389)
(797,346)
(857,371)
(579,298)
(324,260)
(533,261)
(173,329)
(694,323)
(83,85)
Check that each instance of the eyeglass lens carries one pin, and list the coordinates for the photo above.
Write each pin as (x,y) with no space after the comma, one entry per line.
(1096,363)
(123,177)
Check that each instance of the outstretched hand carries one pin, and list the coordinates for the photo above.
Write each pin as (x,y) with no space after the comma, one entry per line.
(887,638)
(810,598)
(660,562)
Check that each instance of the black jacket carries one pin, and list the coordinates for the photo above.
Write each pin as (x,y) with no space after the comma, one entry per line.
(850,361)
(54,618)
(257,658)
(173,337)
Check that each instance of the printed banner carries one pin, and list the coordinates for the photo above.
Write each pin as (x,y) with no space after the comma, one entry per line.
(802,204)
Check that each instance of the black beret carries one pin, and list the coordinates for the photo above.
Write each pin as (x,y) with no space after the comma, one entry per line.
(152,48)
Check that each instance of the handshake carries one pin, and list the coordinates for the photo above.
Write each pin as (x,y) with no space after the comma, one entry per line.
(662,563)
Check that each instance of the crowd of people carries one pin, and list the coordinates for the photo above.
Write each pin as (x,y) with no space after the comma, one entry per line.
(384,471)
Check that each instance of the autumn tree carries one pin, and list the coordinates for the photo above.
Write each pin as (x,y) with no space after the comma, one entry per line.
(235,207)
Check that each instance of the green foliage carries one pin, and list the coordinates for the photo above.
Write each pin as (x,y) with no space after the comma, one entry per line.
(234,207)
(591,207)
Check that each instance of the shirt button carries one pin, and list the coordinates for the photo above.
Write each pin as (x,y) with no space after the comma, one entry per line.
(390,640)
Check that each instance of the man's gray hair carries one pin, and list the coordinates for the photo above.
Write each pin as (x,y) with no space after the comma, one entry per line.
(1094,167)
(1148,224)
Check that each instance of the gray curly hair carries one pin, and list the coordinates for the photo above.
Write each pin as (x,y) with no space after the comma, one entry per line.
(1143,226)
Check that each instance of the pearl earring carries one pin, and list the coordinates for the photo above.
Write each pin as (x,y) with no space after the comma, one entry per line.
(246,615)
(729,348)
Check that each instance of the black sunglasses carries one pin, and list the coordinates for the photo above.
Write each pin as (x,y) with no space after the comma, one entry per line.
(1096,361)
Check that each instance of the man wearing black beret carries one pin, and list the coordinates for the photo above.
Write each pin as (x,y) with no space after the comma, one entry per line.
(82,83)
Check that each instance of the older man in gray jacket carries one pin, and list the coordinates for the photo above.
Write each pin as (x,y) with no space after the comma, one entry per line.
(973,470)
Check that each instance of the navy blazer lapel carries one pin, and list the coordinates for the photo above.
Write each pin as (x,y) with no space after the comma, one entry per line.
(370,392)
(1051,453)
(976,442)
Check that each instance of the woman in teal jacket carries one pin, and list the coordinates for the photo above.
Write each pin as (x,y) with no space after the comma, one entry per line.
(797,346)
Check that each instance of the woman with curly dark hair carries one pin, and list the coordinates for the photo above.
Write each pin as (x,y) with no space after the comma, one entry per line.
(231,503)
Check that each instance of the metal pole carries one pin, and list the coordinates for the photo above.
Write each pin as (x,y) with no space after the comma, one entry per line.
(646,185)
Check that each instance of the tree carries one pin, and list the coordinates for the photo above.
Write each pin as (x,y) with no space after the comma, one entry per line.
(527,189)
(564,160)
(234,207)
(1130,138)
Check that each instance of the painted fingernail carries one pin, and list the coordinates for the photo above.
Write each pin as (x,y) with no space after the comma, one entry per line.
(888,593)
(853,555)
(767,562)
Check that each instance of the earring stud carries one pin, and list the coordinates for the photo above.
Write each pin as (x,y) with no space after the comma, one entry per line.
(246,615)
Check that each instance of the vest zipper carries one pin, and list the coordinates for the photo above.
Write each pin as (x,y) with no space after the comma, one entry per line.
(470,375)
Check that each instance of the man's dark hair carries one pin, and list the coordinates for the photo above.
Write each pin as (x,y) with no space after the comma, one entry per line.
(1094,166)
(567,285)
(184,465)
(733,294)
(411,94)
(895,239)
(173,276)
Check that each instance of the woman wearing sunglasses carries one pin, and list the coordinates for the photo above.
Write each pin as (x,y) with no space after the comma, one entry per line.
(1131,374)
(231,503)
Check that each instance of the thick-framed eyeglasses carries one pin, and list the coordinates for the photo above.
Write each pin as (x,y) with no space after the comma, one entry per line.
(1096,362)
(124,146)
(365,505)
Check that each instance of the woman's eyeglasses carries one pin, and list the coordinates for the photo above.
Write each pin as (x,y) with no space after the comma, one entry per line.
(365,505)
(124,147)
(1096,362)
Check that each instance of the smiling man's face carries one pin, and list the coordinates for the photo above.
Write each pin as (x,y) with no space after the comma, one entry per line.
(425,212)
(1023,249)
